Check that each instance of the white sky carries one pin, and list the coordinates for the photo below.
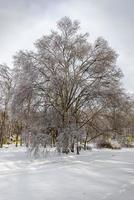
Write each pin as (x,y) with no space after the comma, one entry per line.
(22,22)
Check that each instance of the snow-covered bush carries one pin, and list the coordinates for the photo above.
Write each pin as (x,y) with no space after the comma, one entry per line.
(111,144)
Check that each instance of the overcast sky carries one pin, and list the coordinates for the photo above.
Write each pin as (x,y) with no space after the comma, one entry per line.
(24,21)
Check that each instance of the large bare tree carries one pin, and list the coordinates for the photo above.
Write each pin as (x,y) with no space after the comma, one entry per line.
(65,77)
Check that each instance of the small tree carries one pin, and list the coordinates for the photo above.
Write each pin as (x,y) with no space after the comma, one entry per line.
(5,97)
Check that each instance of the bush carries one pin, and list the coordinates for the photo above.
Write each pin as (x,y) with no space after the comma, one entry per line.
(109,144)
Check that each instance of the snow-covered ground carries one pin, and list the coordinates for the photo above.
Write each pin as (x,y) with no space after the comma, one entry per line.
(93,175)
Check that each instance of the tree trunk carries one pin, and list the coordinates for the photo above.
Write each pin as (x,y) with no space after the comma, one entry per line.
(77,148)
(85,142)
(72,147)
(17,137)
